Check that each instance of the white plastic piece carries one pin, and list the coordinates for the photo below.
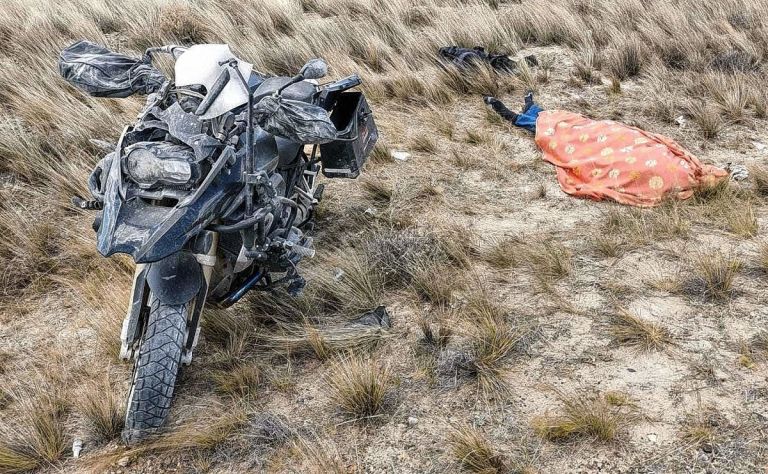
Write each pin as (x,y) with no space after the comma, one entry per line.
(77,446)
(401,155)
(201,64)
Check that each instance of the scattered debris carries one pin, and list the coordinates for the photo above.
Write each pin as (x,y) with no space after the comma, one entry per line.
(737,172)
(77,446)
(124,461)
(401,155)
(465,58)
(377,317)
(681,121)
(759,146)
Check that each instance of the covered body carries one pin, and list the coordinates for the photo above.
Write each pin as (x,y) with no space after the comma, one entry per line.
(609,160)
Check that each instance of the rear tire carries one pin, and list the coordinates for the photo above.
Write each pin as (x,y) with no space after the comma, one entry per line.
(155,370)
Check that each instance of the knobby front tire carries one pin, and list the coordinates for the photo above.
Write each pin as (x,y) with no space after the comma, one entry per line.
(155,370)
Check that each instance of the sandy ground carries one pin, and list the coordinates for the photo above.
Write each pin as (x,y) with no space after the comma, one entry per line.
(573,352)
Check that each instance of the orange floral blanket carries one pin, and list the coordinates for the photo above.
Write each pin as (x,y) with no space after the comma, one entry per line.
(607,159)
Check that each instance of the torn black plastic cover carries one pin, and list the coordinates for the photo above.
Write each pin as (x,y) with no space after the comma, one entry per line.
(294,120)
(100,72)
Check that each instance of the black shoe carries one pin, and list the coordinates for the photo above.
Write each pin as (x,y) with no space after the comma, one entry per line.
(528,99)
(489,100)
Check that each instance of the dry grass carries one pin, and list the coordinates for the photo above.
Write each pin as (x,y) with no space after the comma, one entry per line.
(437,339)
(703,429)
(759,177)
(632,228)
(713,274)
(503,252)
(303,338)
(358,287)
(627,58)
(381,154)
(321,455)
(705,62)
(424,143)
(240,381)
(474,453)
(360,388)
(762,256)
(548,261)
(588,62)
(102,410)
(707,117)
(34,437)
(200,432)
(629,329)
(435,283)
(377,190)
(493,337)
(585,416)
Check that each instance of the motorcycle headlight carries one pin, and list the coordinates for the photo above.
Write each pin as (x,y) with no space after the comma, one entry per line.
(147,170)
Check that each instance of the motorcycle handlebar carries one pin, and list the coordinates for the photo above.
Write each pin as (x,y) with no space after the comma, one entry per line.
(171,49)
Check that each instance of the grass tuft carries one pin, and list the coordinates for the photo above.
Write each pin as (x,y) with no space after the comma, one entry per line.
(503,252)
(585,416)
(629,329)
(35,436)
(238,381)
(713,274)
(359,387)
(548,261)
(474,453)
(102,410)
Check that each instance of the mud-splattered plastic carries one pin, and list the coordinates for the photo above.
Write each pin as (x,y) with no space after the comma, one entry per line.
(100,72)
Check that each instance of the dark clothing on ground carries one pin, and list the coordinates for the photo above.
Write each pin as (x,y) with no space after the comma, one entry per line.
(526,119)
(464,58)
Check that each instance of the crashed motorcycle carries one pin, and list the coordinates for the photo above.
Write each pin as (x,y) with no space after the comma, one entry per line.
(211,191)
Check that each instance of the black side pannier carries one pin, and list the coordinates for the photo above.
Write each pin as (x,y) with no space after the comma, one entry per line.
(104,73)
(345,156)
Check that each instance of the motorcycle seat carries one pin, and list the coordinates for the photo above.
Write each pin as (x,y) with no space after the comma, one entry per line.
(302,91)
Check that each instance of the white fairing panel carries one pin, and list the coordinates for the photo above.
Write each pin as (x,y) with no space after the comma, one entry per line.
(200,65)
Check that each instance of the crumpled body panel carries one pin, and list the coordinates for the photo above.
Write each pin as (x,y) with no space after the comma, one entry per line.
(295,120)
(103,73)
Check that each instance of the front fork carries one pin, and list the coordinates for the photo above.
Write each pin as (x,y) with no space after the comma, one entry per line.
(204,252)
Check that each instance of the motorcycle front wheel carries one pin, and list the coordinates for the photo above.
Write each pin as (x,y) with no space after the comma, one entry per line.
(155,370)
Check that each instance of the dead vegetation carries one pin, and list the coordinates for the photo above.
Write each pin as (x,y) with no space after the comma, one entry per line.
(629,329)
(585,415)
(102,410)
(474,453)
(34,437)
(412,235)
(712,274)
(360,388)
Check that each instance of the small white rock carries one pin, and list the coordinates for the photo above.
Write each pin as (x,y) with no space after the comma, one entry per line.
(681,121)
(652,437)
(759,146)
(401,155)
(412,421)
(123,461)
